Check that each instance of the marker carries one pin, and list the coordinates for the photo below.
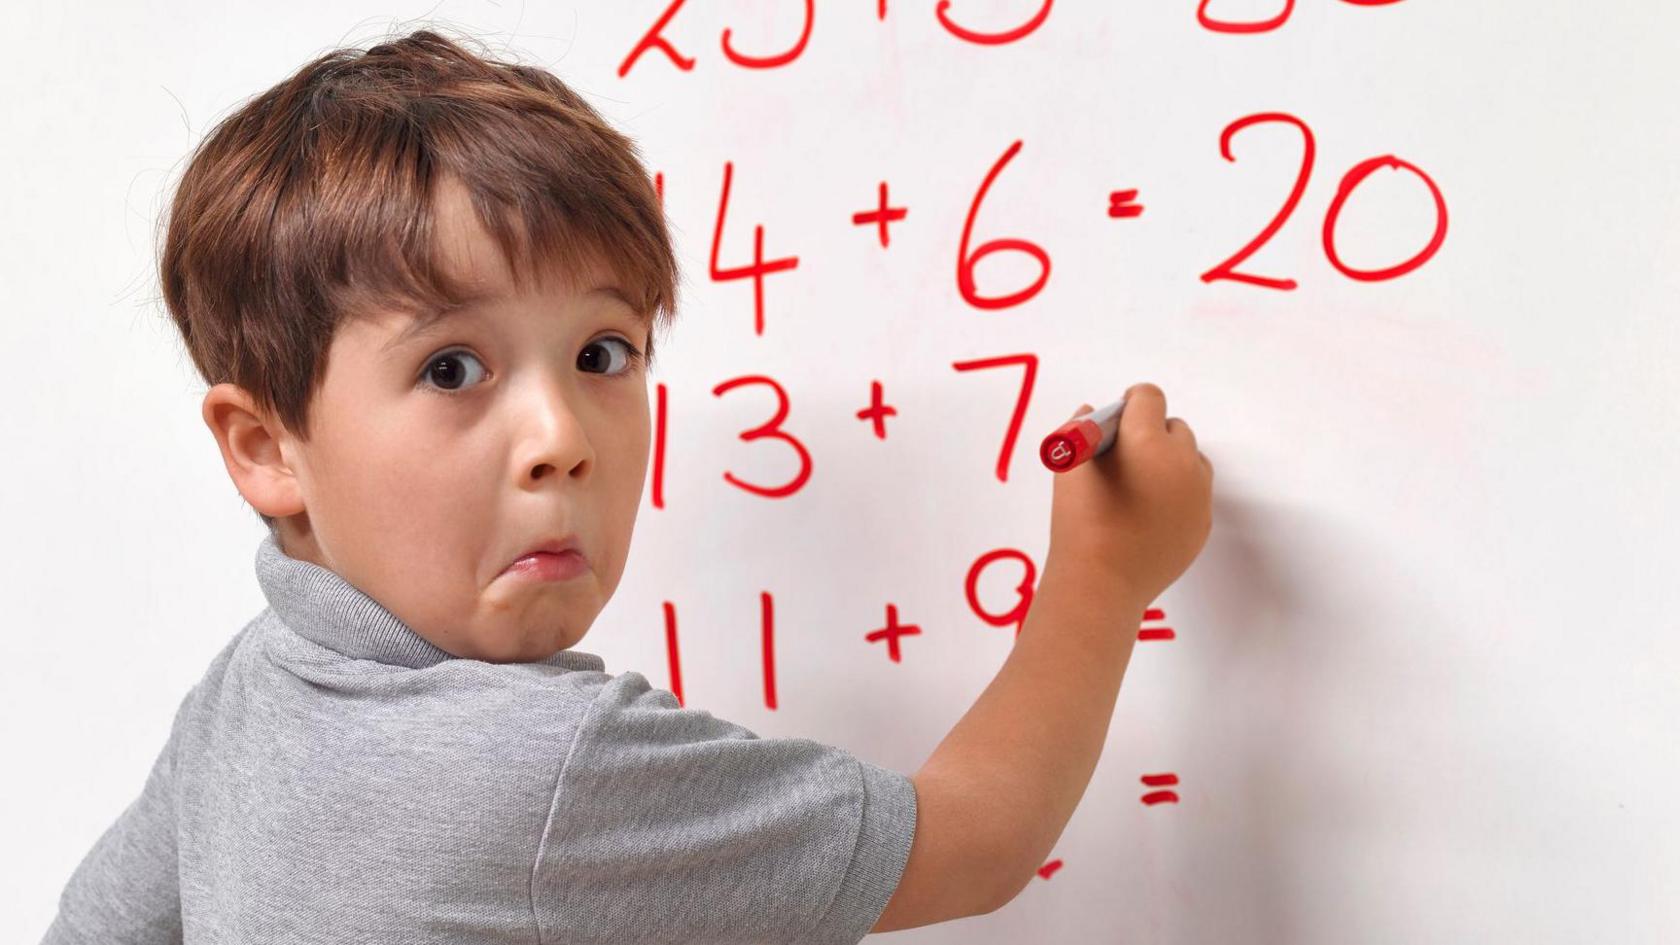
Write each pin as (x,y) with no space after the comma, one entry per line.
(1082,438)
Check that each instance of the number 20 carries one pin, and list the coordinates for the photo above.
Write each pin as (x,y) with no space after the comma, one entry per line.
(1351,180)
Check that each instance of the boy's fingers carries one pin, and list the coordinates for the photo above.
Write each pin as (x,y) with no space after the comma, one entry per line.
(1146,409)
(1178,426)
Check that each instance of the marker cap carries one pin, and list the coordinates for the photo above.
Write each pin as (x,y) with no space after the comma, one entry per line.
(1071,444)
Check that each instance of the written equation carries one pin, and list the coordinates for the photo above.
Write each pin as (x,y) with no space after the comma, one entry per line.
(880,210)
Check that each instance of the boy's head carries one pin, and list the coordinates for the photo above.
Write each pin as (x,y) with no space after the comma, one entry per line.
(315,237)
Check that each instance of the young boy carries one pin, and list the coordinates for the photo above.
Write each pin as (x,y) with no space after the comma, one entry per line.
(422,285)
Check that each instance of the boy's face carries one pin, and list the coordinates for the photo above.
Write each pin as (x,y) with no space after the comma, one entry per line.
(421,498)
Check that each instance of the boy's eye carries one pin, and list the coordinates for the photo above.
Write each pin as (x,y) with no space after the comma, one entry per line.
(632,355)
(445,370)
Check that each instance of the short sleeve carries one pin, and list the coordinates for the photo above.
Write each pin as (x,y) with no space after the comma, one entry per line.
(669,825)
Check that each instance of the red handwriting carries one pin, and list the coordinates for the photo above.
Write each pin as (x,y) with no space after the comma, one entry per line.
(972,249)
(771,428)
(881,216)
(657,469)
(891,632)
(767,645)
(781,59)
(1226,270)
(654,38)
(877,412)
(1049,869)
(966,260)
(1023,591)
(1350,181)
(1252,26)
(1269,24)
(759,268)
(1120,204)
(672,659)
(1030,363)
(990,39)
(1160,797)
(1155,633)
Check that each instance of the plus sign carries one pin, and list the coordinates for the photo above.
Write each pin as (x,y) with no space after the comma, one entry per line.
(882,215)
(877,411)
(892,631)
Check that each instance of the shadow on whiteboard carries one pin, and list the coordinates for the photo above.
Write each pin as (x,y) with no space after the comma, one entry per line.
(1295,674)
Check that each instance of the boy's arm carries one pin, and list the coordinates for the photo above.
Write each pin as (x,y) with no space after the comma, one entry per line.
(997,792)
(127,888)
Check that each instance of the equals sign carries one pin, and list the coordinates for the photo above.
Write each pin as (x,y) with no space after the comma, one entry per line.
(1159,780)
(1155,633)
(1122,204)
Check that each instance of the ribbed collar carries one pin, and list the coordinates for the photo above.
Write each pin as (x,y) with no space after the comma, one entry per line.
(321,606)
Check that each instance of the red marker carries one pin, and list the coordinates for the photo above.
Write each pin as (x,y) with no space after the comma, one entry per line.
(1081,438)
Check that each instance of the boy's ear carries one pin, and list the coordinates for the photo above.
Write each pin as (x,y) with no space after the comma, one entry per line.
(254,450)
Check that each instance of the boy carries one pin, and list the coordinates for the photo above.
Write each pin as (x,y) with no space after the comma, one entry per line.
(423,285)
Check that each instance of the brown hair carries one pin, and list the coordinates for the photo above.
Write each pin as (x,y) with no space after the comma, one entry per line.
(314,203)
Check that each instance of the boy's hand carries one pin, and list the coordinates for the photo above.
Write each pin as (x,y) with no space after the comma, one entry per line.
(1140,513)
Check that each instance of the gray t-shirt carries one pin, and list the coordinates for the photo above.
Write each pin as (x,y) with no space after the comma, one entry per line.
(335,777)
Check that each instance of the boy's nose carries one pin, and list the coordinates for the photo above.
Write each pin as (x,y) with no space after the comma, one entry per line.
(552,435)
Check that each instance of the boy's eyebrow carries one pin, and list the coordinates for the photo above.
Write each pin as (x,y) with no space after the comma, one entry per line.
(426,321)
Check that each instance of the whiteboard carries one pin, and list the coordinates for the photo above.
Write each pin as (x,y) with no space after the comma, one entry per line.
(1419,687)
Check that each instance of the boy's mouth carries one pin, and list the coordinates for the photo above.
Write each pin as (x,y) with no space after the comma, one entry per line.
(547,566)
(550,553)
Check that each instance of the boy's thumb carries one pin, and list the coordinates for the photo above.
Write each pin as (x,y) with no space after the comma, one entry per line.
(1083,408)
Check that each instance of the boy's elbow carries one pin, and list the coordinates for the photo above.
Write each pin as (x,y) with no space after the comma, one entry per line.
(1013,885)
(960,864)
(1015,862)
